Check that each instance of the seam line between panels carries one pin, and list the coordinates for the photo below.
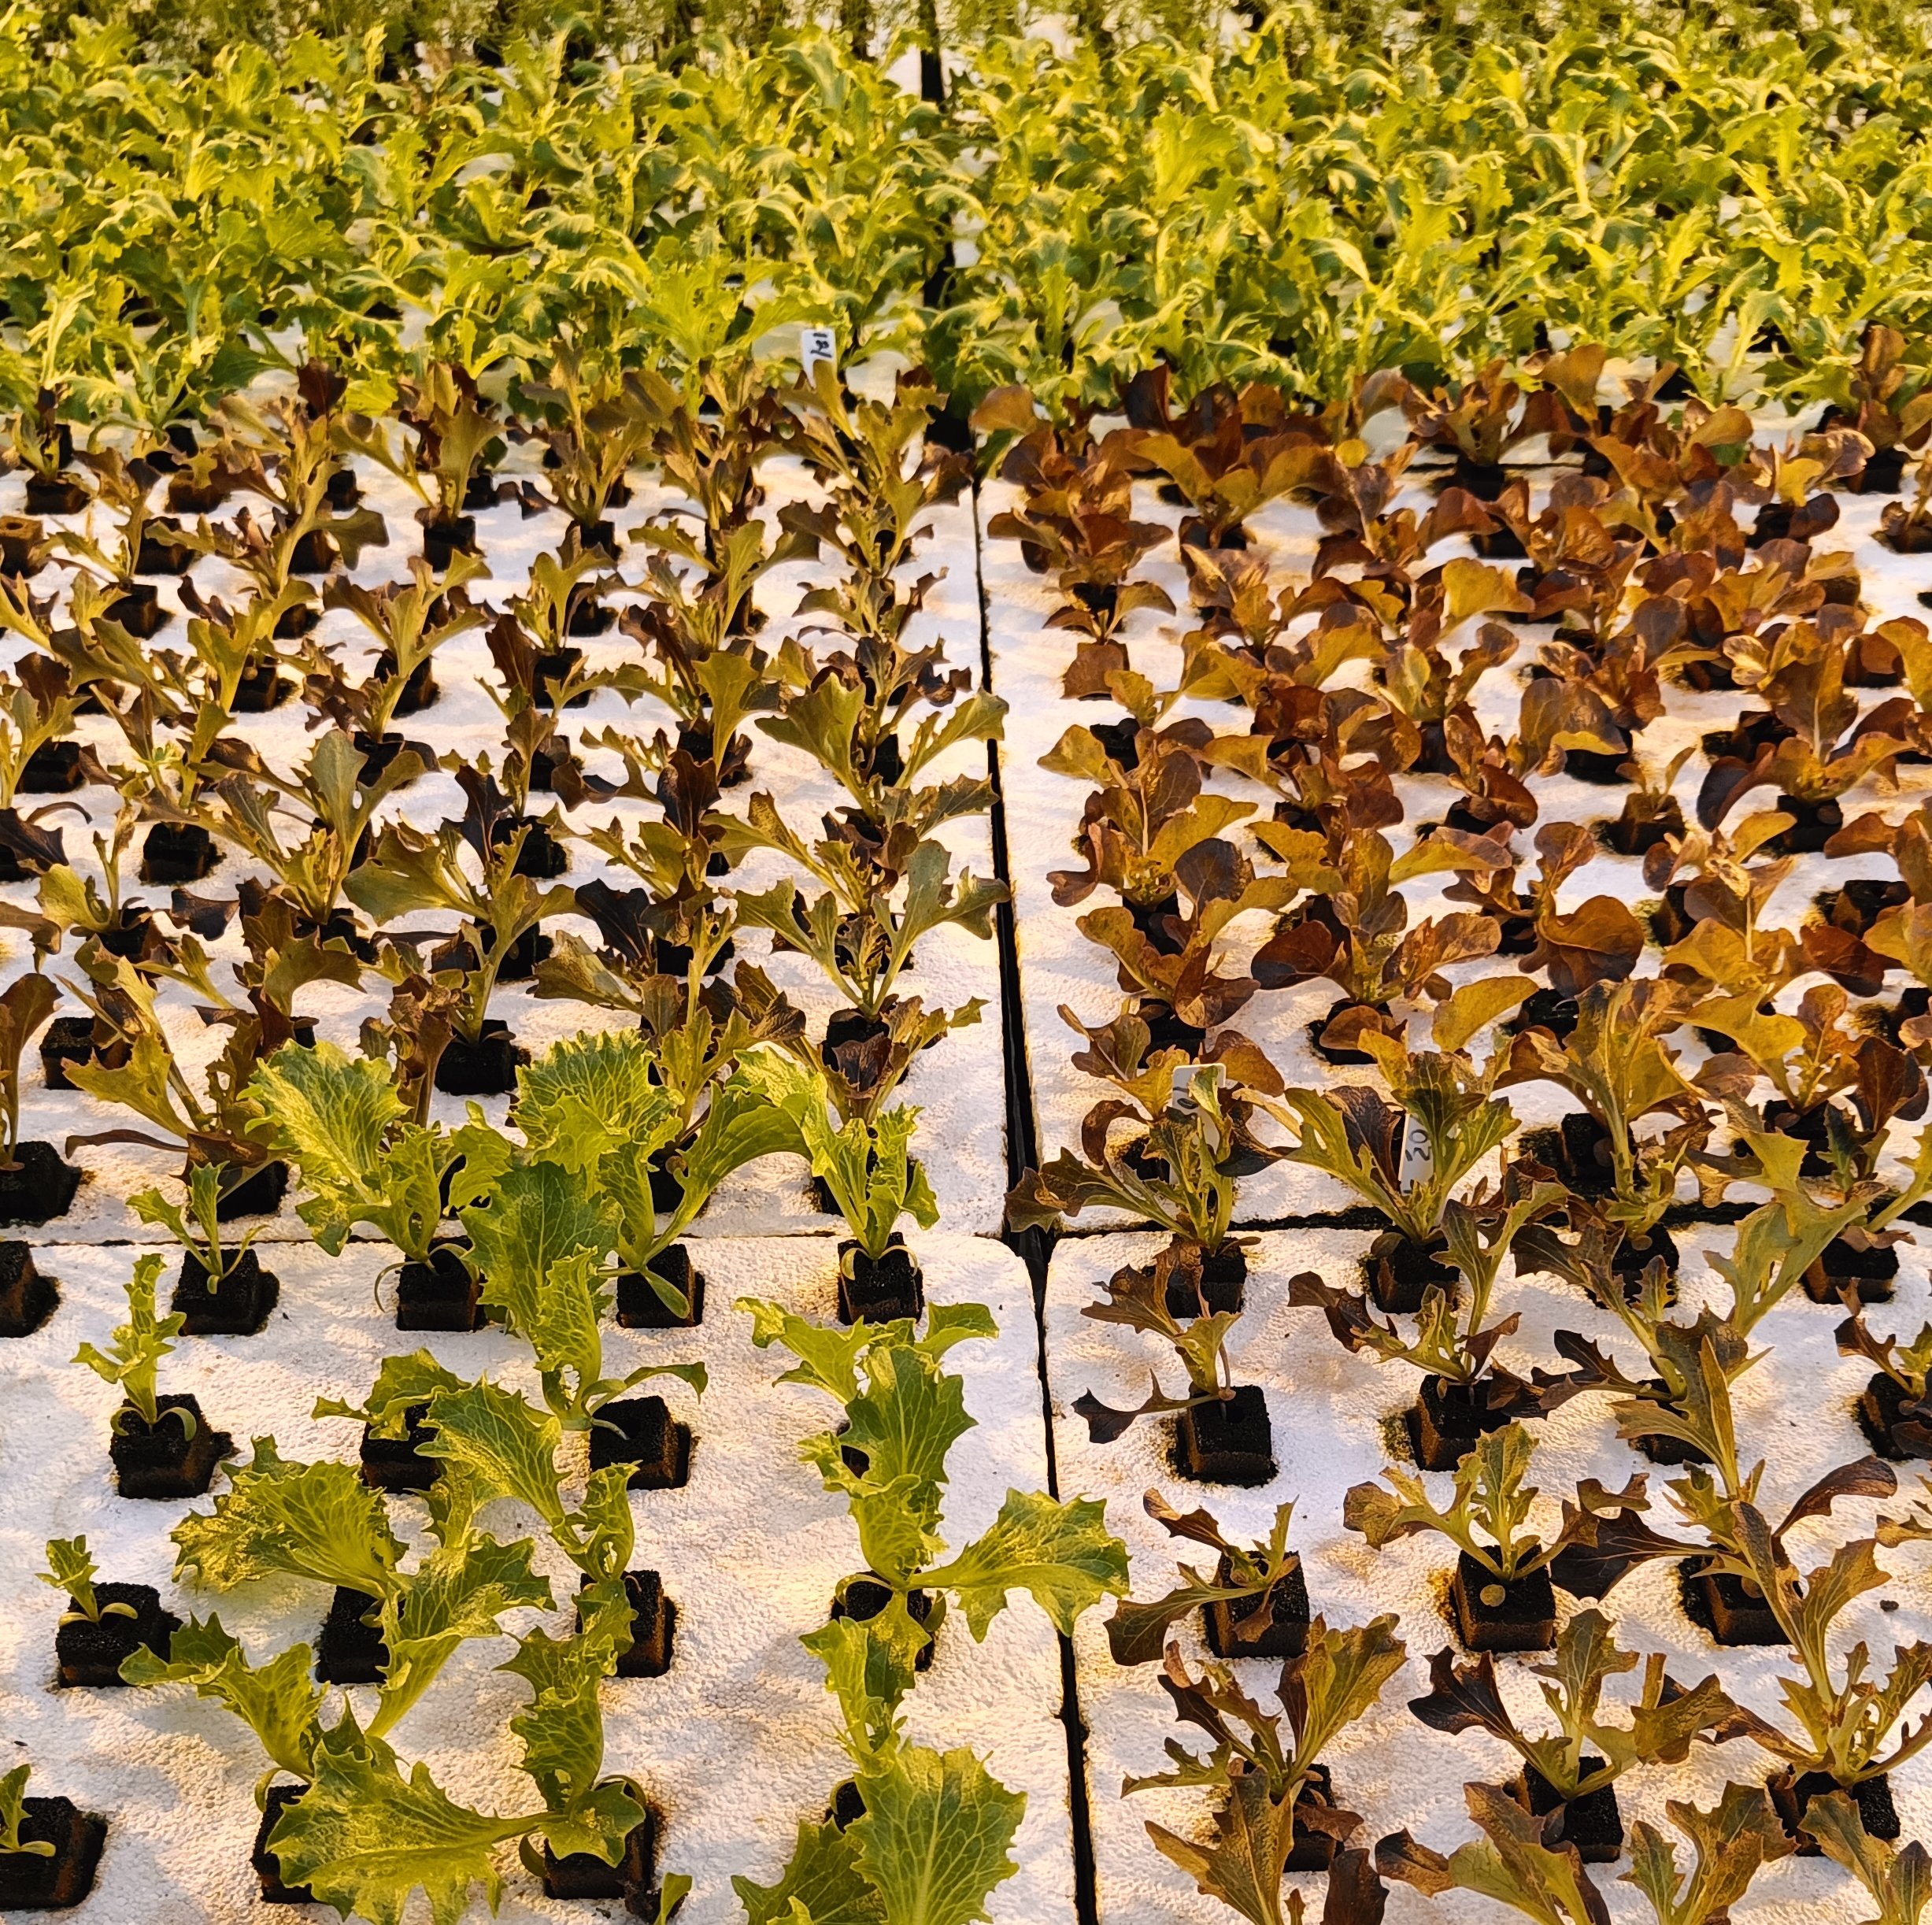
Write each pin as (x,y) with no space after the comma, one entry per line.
(1033,1246)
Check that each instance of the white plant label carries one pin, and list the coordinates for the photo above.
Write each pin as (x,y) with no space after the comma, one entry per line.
(816,345)
(1417,1163)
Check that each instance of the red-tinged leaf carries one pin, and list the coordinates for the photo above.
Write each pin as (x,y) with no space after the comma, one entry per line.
(1298,953)
(1866,1477)
(1726,782)
(1840,955)
(1463,1697)
(1868,834)
(1409,1862)
(1598,941)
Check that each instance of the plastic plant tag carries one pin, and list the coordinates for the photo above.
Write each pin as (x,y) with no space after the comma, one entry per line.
(816,345)
(1417,1163)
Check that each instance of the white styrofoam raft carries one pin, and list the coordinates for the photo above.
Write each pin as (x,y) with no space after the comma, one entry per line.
(958,1085)
(735,1744)
(1332,1416)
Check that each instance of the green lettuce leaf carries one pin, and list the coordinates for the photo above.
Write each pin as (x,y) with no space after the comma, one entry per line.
(279,1701)
(823,1880)
(1062,1553)
(312,1520)
(363,1838)
(539,1214)
(503,1441)
(935,1836)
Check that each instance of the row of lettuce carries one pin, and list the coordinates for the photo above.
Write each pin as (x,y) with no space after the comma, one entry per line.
(1305,203)
(617,1140)
(547,1223)
(1717,1042)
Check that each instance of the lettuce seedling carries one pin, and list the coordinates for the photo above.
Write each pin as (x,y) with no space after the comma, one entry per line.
(867,1164)
(1076,522)
(361,1830)
(1453,1342)
(1908,1366)
(1607,1538)
(1188,1145)
(604,1109)
(1729,1843)
(37,705)
(72,905)
(167,726)
(1228,455)
(540,673)
(1422,682)
(1615,1063)
(712,674)
(40,441)
(1598,941)
(341,1121)
(411,620)
(1827,750)
(221,1127)
(197,1228)
(1663,1721)
(903,1414)
(559,1313)
(672,926)
(1139,1297)
(1893,421)
(1486,1515)
(363,1837)
(454,436)
(1727,948)
(123,486)
(1843,1723)
(284,451)
(138,1346)
(593,427)
(1244,653)
(1512,1866)
(402,1383)
(1149,809)
(1391,544)
(1262,1780)
(1481,420)
(1812,1057)
(233,645)
(1857,1209)
(25,1003)
(70,1571)
(13,1814)
(714,431)
(1249,1576)
(1165,954)
(845,712)
(1358,937)
(860,931)
(935,1832)
(409,871)
(1443,1105)
(864,455)
(1775,1245)
(333,795)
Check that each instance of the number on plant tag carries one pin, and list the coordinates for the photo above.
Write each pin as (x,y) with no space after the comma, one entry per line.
(1417,1163)
(816,345)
